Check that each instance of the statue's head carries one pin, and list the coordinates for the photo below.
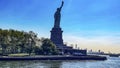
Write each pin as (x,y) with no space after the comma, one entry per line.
(58,9)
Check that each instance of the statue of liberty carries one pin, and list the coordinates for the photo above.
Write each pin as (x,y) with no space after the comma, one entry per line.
(57,16)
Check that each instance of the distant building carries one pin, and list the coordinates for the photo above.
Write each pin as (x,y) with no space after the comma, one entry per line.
(95,52)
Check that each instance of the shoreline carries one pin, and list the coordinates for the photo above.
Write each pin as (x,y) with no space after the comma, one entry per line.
(88,57)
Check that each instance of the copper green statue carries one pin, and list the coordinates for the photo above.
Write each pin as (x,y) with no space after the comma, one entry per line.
(57,16)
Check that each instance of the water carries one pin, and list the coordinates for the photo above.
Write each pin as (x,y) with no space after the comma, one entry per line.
(112,62)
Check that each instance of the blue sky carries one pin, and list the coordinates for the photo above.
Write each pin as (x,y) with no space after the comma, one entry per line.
(95,22)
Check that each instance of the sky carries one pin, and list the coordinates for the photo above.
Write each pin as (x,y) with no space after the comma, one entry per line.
(91,24)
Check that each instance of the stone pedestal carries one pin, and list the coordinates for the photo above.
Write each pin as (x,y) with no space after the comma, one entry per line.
(56,36)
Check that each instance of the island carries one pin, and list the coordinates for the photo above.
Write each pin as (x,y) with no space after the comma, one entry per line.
(21,45)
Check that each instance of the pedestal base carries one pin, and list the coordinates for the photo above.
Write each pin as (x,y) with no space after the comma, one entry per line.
(56,36)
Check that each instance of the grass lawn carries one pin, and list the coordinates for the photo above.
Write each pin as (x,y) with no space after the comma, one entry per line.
(18,55)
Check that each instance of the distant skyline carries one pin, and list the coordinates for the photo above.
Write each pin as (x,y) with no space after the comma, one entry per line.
(92,24)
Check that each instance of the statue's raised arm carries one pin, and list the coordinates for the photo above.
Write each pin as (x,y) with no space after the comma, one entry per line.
(61,5)
(57,16)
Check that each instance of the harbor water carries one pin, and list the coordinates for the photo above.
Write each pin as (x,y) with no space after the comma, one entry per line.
(111,62)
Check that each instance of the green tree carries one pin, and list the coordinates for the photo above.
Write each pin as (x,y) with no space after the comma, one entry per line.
(13,41)
(48,47)
(38,50)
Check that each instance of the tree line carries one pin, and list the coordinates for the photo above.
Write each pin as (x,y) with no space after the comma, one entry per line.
(14,41)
